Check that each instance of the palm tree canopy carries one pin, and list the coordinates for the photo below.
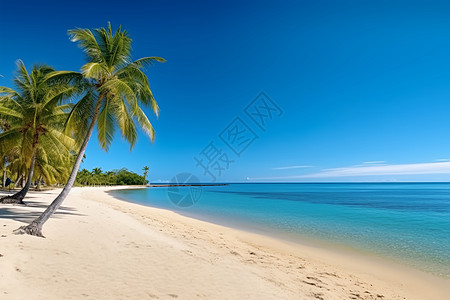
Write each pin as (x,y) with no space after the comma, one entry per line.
(119,86)
(116,86)
(97,171)
(35,109)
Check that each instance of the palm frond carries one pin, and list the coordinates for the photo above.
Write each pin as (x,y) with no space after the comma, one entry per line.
(105,127)
(94,70)
(147,61)
(9,139)
(145,124)
(8,91)
(116,87)
(62,77)
(87,43)
(78,119)
(5,111)
(124,120)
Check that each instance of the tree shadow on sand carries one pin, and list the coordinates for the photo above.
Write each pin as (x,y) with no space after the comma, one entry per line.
(31,211)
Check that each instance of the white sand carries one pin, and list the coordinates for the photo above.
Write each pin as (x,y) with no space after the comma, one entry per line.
(98,247)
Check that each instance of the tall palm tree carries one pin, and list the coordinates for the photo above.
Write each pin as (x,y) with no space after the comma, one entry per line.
(33,111)
(118,87)
(145,169)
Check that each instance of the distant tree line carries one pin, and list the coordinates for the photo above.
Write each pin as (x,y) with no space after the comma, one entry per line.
(114,177)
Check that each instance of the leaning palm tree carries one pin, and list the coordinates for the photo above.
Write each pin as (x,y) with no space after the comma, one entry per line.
(118,87)
(32,111)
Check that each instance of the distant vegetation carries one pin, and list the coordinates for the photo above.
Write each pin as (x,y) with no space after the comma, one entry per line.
(115,177)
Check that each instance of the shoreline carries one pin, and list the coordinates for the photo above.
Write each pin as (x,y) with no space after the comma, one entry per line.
(160,252)
(301,238)
(323,245)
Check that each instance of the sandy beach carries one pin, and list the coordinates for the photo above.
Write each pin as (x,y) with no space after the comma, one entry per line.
(99,247)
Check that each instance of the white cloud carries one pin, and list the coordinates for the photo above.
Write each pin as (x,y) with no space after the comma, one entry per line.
(400,169)
(371,170)
(291,167)
(160,181)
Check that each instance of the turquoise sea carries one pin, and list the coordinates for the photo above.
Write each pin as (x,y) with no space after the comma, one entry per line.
(408,222)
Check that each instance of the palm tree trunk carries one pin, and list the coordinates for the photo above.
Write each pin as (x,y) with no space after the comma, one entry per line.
(19,179)
(38,186)
(35,228)
(4,174)
(17,198)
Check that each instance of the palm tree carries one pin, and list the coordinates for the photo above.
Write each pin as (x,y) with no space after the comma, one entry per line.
(53,164)
(118,86)
(32,112)
(97,171)
(145,169)
(83,177)
(110,178)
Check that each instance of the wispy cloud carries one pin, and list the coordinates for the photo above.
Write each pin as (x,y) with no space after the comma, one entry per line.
(400,169)
(375,162)
(161,181)
(291,167)
(372,170)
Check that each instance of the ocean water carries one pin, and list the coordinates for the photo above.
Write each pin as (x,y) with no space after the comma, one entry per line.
(408,222)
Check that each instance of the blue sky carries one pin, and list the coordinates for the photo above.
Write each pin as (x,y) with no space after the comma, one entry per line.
(362,87)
